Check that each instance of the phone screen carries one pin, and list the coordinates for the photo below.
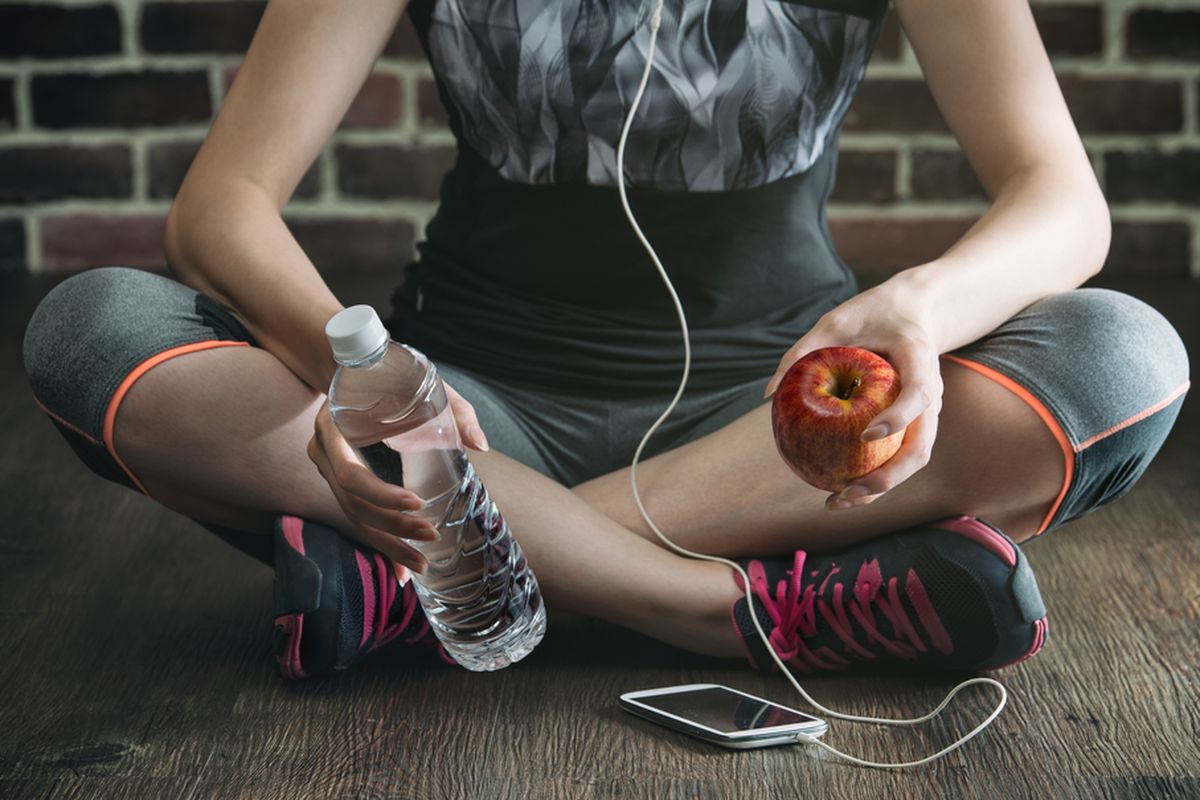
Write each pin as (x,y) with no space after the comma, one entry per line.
(724,710)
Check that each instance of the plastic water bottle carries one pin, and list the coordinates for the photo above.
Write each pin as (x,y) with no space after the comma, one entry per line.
(387,399)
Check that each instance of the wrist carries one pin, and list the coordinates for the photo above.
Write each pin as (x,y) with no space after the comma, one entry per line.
(319,372)
(917,297)
(319,364)
(297,338)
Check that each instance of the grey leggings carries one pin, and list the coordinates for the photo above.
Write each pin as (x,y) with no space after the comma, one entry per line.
(1104,371)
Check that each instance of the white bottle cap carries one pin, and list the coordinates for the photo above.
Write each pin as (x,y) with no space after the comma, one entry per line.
(354,333)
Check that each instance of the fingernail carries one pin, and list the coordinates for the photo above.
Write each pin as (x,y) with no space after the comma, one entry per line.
(478,438)
(876,432)
(838,505)
(419,530)
(854,492)
(770,388)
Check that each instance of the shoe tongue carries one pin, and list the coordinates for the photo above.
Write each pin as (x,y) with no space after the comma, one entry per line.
(878,599)
(864,583)
(829,615)
(860,583)
(868,581)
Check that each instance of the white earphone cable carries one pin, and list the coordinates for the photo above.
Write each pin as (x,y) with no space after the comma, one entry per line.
(655,22)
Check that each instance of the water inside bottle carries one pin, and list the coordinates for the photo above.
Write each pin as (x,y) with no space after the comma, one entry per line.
(477,590)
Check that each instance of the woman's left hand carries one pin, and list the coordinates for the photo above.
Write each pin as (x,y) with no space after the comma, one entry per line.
(896,321)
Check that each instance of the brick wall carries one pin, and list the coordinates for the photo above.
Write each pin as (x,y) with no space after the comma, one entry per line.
(104,102)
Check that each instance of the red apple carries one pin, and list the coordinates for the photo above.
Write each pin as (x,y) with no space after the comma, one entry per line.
(820,409)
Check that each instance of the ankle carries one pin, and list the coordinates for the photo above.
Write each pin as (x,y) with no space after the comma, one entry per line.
(704,615)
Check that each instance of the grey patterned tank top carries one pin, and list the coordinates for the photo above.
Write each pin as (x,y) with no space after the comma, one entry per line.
(529,269)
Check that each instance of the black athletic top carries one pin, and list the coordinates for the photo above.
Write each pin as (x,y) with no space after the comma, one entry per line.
(530,271)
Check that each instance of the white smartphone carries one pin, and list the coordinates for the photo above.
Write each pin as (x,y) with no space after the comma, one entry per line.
(722,715)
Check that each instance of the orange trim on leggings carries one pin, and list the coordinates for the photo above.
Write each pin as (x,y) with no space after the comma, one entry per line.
(110,415)
(63,422)
(1136,418)
(1056,430)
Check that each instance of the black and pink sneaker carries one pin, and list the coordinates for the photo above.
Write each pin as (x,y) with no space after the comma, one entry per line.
(954,596)
(337,602)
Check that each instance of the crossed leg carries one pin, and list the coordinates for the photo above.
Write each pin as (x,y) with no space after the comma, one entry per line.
(220,436)
(730,494)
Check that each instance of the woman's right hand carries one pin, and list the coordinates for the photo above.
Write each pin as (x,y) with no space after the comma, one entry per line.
(374,507)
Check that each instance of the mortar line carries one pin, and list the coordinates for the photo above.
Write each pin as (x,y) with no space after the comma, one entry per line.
(139,167)
(216,86)
(23,101)
(1113,18)
(167,62)
(903,185)
(342,208)
(410,120)
(1195,265)
(129,12)
(33,243)
(1191,97)
(1149,213)
(327,165)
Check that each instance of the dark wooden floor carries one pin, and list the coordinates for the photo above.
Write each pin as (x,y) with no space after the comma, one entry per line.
(134,662)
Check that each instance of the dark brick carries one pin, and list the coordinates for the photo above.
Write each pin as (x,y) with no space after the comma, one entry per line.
(404,42)
(388,171)
(944,175)
(1098,105)
(1150,248)
(878,248)
(354,244)
(893,104)
(8,104)
(378,103)
(888,46)
(121,99)
(12,245)
(1070,30)
(43,30)
(1163,34)
(431,113)
(865,176)
(80,241)
(34,173)
(220,27)
(168,163)
(1150,175)
(1115,105)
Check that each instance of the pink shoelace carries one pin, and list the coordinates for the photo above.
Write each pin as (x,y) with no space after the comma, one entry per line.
(389,629)
(796,608)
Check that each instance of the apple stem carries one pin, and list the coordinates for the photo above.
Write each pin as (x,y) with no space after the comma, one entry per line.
(846,392)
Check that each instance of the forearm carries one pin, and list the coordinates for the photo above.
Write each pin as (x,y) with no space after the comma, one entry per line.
(1044,234)
(232,244)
